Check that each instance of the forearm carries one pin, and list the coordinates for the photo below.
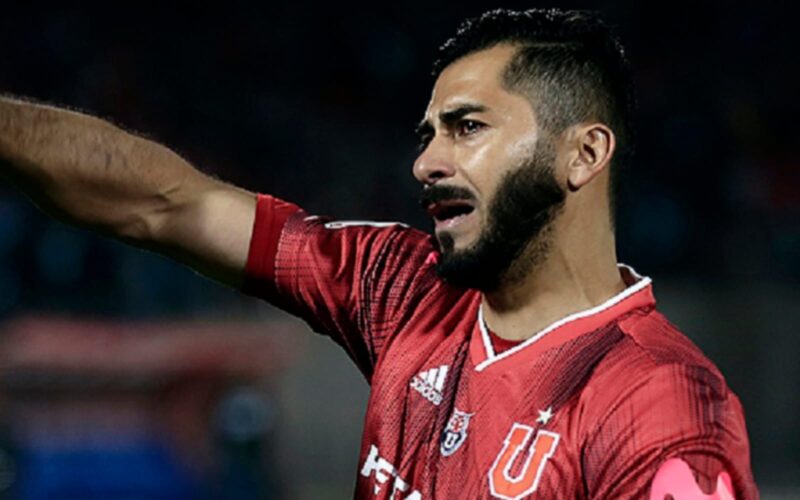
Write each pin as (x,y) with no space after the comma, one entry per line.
(89,172)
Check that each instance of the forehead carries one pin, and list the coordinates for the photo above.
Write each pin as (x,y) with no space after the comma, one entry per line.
(475,78)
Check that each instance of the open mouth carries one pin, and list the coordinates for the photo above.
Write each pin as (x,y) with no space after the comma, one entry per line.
(450,209)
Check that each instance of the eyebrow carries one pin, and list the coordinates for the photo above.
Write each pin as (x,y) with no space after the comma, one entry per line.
(459,112)
(450,116)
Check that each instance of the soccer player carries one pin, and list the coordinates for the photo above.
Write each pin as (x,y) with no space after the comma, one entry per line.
(510,355)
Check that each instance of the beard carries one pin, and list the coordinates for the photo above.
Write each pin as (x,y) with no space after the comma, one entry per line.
(517,233)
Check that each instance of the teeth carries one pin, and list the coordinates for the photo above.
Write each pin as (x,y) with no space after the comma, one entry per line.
(452,212)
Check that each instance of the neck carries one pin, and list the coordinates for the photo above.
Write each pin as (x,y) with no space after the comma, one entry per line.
(579,271)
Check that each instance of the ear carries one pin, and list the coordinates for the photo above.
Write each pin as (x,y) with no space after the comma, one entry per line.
(594,145)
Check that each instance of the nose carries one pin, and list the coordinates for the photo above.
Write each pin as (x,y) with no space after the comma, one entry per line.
(433,164)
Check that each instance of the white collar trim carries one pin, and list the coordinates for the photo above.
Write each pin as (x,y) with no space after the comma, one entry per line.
(641,283)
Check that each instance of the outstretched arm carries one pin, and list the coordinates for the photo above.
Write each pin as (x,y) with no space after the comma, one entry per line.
(90,173)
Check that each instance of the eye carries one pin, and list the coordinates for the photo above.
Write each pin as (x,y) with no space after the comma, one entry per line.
(468,127)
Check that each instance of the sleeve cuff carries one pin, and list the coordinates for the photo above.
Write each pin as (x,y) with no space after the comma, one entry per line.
(271,216)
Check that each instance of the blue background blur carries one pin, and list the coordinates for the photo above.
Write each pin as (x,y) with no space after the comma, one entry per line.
(317,104)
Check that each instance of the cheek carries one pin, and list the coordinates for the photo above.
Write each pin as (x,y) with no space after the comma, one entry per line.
(482,166)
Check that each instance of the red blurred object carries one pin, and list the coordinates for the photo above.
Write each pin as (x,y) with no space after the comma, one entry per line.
(148,350)
(67,384)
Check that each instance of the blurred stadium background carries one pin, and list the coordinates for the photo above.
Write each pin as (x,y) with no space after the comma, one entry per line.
(123,375)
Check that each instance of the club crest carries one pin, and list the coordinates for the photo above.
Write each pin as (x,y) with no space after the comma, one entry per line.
(455,433)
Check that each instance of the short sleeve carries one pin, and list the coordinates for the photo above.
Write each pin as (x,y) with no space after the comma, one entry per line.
(347,279)
(679,432)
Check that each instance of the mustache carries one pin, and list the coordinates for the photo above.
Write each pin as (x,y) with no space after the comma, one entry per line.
(437,193)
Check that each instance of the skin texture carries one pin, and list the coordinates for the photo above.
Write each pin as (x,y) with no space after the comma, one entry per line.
(90,173)
(476,151)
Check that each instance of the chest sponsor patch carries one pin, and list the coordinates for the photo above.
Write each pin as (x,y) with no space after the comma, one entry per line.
(386,476)
(455,433)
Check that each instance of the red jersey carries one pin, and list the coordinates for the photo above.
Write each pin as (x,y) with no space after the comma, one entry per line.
(610,402)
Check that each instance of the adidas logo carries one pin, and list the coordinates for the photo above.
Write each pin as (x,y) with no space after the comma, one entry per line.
(430,383)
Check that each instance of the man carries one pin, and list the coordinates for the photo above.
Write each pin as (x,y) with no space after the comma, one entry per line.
(510,356)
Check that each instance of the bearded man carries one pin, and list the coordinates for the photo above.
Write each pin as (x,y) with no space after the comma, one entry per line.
(510,356)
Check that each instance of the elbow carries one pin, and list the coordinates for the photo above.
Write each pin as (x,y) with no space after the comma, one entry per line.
(145,224)
(138,228)
(156,221)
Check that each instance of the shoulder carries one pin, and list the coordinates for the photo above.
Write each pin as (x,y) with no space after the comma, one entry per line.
(653,364)
(650,343)
(656,388)
(364,232)
(655,395)
(370,248)
(396,264)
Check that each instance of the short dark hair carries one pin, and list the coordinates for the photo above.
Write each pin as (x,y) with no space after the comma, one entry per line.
(569,63)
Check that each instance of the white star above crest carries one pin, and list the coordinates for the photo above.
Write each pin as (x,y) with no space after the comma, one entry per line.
(545,416)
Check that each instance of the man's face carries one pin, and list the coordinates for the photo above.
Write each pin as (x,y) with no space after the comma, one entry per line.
(488,173)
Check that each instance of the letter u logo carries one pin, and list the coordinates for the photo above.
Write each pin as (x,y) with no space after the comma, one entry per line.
(501,483)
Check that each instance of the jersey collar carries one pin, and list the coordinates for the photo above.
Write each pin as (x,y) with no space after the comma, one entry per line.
(639,293)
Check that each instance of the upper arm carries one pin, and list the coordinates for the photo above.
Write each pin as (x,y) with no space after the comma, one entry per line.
(673,413)
(91,173)
(206,224)
(347,280)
